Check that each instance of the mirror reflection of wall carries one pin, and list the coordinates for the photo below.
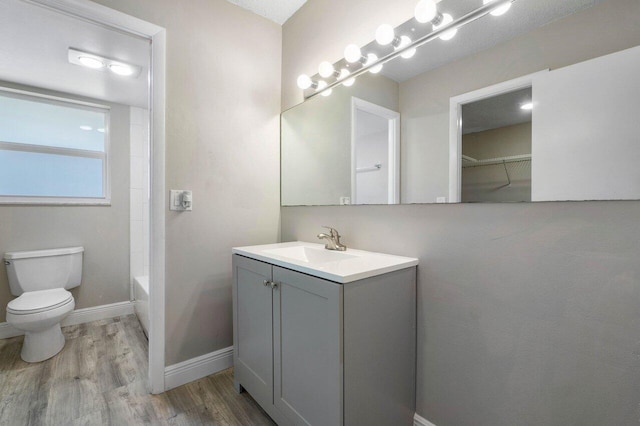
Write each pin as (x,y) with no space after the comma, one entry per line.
(496,148)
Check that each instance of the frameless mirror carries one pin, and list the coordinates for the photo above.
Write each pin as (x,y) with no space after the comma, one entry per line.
(536,105)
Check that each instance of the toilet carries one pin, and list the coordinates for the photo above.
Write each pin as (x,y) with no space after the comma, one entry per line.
(41,280)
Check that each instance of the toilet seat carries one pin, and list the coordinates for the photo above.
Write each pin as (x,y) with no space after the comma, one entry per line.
(33,302)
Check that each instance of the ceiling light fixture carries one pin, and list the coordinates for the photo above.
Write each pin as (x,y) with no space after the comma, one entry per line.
(98,62)
(91,62)
(444,27)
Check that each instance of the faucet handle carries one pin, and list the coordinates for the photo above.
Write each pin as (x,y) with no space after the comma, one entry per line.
(334,232)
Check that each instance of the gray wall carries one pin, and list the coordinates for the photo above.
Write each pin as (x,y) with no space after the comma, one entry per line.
(222,135)
(527,313)
(103,231)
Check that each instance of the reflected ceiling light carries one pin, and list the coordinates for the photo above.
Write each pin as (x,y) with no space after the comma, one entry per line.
(121,69)
(87,128)
(98,62)
(326,69)
(90,62)
(100,130)
(344,73)
(446,20)
(425,11)
(404,42)
(500,10)
(527,107)
(321,85)
(371,58)
(352,54)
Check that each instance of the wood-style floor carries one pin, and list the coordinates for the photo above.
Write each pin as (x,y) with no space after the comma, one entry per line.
(99,378)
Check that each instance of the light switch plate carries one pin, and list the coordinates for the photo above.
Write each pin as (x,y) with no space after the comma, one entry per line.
(176,200)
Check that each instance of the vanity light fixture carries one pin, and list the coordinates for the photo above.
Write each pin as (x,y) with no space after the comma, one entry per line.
(98,62)
(527,107)
(353,54)
(445,21)
(499,10)
(326,69)
(444,27)
(344,73)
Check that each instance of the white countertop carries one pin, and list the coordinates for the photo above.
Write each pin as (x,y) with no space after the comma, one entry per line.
(313,259)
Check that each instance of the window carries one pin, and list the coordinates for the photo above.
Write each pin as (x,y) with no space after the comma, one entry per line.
(52,150)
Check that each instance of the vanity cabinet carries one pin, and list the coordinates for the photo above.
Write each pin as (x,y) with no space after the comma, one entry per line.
(312,351)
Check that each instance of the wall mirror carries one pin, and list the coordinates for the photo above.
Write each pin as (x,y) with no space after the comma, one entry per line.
(539,104)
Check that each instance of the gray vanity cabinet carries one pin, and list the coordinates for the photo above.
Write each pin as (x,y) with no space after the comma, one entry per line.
(315,352)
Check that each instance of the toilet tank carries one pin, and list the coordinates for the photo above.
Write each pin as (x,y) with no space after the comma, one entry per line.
(44,269)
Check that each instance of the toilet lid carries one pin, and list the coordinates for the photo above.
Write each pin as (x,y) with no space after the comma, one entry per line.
(32,302)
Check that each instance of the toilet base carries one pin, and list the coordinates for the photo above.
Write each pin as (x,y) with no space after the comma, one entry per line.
(41,345)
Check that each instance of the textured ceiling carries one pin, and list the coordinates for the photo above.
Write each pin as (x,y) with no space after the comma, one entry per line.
(276,10)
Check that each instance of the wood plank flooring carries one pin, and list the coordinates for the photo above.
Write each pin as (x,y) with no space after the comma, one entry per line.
(100,378)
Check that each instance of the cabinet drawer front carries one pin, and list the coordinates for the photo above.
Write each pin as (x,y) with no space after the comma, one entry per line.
(252,328)
(307,325)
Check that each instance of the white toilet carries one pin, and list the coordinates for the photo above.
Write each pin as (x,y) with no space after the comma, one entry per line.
(41,279)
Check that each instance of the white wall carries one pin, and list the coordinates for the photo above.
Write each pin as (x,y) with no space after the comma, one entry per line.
(222,137)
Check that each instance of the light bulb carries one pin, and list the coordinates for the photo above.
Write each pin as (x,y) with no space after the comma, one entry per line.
(90,62)
(352,53)
(121,69)
(86,128)
(344,73)
(321,85)
(501,10)
(385,34)
(405,41)
(371,58)
(304,81)
(527,107)
(446,20)
(325,69)
(425,11)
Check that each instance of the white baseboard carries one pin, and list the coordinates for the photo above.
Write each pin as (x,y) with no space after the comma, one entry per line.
(421,421)
(79,316)
(196,368)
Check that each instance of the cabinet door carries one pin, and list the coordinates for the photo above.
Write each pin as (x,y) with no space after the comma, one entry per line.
(307,324)
(252,328)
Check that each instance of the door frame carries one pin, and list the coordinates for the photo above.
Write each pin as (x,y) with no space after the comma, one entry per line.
(455,125)
(102,15)
(393,118)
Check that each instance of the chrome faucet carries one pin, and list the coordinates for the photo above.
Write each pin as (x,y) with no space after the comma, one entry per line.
(333,239)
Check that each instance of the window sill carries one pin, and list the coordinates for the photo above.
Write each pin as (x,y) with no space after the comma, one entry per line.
(54,201)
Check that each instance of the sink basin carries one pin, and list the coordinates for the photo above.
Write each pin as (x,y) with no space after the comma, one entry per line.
(338,266)
(310,254)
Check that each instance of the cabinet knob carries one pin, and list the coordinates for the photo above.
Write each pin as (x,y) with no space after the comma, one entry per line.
(274,285)
(266,282)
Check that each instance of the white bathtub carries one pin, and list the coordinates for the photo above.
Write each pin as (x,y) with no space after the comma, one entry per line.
(141,306)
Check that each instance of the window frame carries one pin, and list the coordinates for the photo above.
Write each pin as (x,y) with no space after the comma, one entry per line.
(105,200)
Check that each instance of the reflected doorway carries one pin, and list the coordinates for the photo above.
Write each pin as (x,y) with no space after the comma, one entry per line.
(375,154)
